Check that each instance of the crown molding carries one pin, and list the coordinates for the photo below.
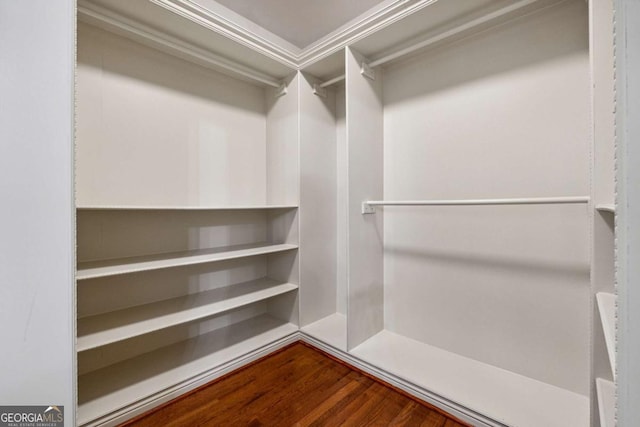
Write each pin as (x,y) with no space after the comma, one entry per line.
(358,29)
(237,32)
(214,21)
(217,19)
(282,50)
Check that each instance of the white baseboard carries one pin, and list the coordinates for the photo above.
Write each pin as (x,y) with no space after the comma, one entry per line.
(456,410)
(141,406)
(157,399)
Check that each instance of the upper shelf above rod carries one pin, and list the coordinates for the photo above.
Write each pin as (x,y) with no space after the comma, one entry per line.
(486,20)
(368,207)
(424,41)
(141,33)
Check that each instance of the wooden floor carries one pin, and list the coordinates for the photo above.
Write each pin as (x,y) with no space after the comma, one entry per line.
(297,386)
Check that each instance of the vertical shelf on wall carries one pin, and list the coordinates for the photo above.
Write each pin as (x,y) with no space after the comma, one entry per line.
(365,241)
(603,217)
(323,222)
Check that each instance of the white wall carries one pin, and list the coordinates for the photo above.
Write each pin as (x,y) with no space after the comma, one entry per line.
(318,202)
(493,117)
(188,135)
(342,202)
(283,163)
(365,245)
(37,302)
(628,205)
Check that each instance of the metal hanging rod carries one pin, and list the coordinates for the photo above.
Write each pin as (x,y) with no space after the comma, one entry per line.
(332,81)
(150,37)
(453,32)
(368,207)
(320,89)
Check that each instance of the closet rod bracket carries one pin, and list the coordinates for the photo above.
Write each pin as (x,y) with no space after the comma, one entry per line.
(367,71)
(367,208)
(281,90)
(319,91)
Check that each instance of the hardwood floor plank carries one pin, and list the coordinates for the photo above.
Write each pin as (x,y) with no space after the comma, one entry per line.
(393,405)
(453,423)
(407,417)
(331,417)
(298,386)
(325,407)
(365,407)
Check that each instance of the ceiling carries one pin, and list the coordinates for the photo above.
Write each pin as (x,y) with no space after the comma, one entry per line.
(300,22)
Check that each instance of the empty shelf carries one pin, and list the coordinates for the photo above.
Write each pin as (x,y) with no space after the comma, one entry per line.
(181,208)
(607,309)
(112,267)
(606,207)
(331,330)
(504,396)
(606,391)
(107,328)
(124,384)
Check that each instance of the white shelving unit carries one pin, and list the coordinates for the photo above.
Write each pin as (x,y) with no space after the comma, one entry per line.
(603,195)
(221,181)
(112,267)
(323,205)
(121,386)
(447,298)
(187,206)
(107,328)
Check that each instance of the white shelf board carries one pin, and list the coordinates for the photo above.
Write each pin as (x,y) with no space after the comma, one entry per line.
(606,391)
(329,66)
(606,207)
(181,208)
(107,328)
(195,34)
(504,396)
(441,22)
(331,330)
(112,267)
(123,384)
(607,309)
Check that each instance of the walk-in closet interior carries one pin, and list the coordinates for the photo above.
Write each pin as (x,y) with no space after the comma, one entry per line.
(426,193)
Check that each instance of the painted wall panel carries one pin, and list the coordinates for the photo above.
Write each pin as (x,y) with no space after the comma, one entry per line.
(318,202)
(37,297)
(282,161)
(503,114)
(627,24)
(185,136)
(365,168)
(342,183)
